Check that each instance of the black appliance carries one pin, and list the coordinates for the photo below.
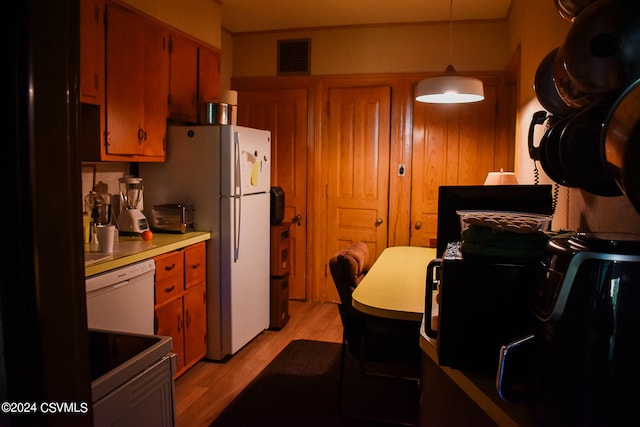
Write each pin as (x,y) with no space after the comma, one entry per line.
(582,357)
(516,198)
(277,205)
(483,305)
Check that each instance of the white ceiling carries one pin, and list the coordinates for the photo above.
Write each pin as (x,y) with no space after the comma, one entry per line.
(263,15)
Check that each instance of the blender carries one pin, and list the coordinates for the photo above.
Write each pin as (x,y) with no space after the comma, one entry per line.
(131,219)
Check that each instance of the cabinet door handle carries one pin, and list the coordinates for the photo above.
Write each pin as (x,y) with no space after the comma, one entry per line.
(296,219)
(169,289)
(418,225)
(179,323)
(142,135)
(169,267)
(188,318)
(378,222)
(195,266)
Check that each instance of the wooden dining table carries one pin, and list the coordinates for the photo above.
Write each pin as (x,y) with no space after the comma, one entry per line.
(394,287)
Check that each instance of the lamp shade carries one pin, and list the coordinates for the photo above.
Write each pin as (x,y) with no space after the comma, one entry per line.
(450,88)
(501,178)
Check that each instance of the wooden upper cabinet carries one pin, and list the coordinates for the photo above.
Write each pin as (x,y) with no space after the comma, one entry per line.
(208,74)
(137,84)
(92,51)
(139,73)
(183,76)
(194,77)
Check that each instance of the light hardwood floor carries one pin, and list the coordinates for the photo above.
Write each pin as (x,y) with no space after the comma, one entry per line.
(207,388)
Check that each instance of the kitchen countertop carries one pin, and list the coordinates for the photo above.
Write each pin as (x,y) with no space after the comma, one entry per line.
(480,388)
(130,249)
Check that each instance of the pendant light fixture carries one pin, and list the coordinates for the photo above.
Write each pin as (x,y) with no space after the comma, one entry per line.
(451,87)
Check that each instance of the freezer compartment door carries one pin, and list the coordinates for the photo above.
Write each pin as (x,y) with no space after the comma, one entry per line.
(244,269)
(246,161)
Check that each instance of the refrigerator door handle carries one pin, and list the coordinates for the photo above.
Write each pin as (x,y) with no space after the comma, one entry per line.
(237,200)
(237,173)
(237,213)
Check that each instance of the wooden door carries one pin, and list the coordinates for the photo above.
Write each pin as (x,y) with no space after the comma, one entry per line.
(137,84)
(195,324)
(92,51)
(124,81)
(208,74)
(156,92)
(170,322)
(183,75)
(284,113)
(358,171)
(453,145)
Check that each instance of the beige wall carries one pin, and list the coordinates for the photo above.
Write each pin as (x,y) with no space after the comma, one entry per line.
(200,18)
(477,46)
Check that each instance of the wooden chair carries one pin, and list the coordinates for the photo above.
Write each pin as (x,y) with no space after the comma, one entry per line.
(383,347)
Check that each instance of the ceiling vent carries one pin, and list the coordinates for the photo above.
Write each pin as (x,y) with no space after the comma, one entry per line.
(293,56)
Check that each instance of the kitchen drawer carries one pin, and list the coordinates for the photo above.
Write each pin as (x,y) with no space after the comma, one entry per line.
(168,288)
(169,281)
(195,265)
(169,265)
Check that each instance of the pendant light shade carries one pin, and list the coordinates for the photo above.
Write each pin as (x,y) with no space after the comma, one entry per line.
(450,88)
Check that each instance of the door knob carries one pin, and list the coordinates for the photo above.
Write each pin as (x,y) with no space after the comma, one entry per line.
(378,221)
(418,225)
(296,219)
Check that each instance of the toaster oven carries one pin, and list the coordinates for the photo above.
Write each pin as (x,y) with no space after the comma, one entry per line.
(173,218)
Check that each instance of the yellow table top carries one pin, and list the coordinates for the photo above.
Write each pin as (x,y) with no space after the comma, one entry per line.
(394,286)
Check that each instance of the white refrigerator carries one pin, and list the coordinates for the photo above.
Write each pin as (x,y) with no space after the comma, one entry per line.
(225,173)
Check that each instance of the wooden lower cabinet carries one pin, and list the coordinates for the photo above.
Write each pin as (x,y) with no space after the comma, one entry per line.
(195,324)
(170,322)
(180,308)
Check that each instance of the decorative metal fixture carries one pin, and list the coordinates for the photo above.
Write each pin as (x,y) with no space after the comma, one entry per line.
(451,87)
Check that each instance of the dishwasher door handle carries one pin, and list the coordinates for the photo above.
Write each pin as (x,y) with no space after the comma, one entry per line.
(120,285)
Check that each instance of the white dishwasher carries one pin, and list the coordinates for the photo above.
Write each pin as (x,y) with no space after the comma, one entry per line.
(122,299)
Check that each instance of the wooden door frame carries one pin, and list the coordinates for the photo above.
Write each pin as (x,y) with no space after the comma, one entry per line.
(309,84)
